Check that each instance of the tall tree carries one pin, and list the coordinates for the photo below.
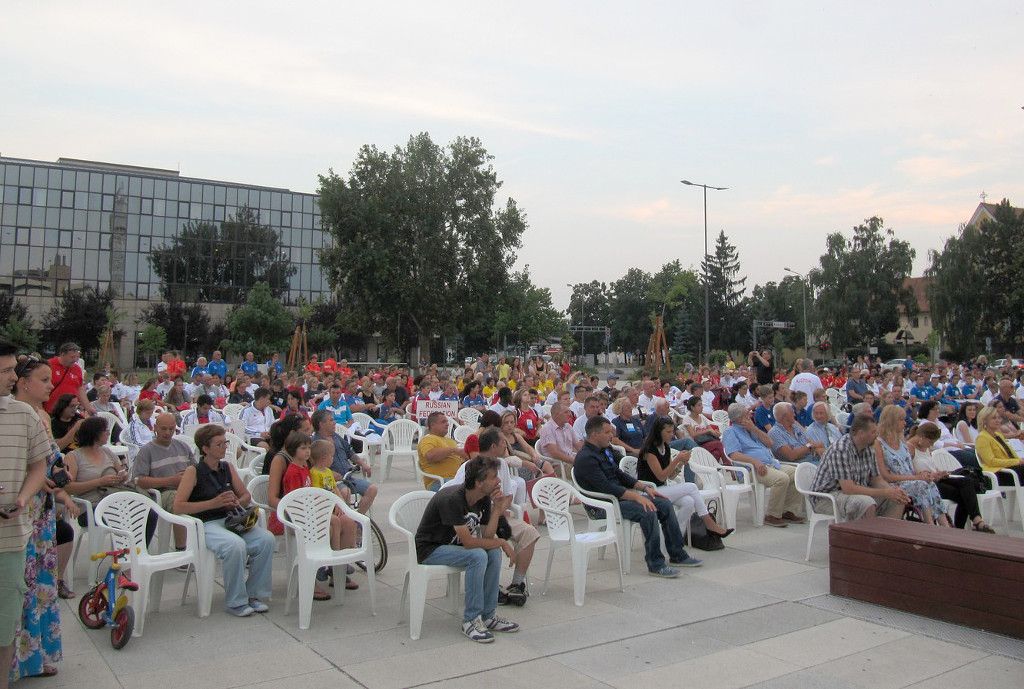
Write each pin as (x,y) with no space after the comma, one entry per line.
(860,285)
(11,308)
(630,311)
(79,315)
(728,318)
(152,341)
(424,222)
(260,325)
(589,304)
(210,262)
(186,326)
(783,301)
(16,325)
(526,315)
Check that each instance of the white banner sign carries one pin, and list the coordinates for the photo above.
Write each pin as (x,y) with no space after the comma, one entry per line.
(425,408)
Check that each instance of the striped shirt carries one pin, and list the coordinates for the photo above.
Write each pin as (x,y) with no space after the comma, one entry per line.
(23,442)
(157,461)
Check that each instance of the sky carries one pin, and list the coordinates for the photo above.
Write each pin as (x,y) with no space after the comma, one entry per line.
(815,115)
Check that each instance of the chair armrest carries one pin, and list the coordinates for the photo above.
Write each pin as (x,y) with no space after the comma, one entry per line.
(86,510)
(1013,474)
(991,477)
(607,506)
(744,470)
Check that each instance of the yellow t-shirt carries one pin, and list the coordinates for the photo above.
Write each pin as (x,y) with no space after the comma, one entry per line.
(511,385)
(445,468)
(504,370)
(489,391)
(322,478)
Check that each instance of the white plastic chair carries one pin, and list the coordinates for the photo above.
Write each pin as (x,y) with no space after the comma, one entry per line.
(92,535)
(462,433)
(470,417)
(945,461)
(307,512)
(397,441)
(362,420)
(843,419)
(704,463)
(113,421)
(804,477)
(124,515)
(720,417)
(613,521)
(554,495)
(232,411)
(405,515)
(453,425)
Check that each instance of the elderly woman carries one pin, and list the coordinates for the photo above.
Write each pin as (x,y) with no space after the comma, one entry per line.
(209,491)
(629,429)
(700,428)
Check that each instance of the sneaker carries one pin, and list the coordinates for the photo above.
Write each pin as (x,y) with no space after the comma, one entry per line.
(241,611)
(502,597)
(498,624)
(323,574)
(793,518)
(258,606)
(777,522)
(516,594)
(64,592)
(665,572)
(688,562)
(475,630)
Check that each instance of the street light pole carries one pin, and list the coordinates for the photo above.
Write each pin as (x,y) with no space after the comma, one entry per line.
(707,288)
(803,287)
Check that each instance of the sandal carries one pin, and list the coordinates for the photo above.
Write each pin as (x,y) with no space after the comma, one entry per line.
(321,595)
(350,585)
(63,592)
(48,671)
(984,528)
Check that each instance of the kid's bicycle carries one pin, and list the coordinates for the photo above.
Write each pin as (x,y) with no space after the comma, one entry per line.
(106,604)
(379,546)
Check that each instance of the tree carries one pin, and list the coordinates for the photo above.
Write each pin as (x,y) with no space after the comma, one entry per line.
(181,322)
(422,247)
(976,290)
(683,342)
(207,262)
(728,321)
(152,341)
(589,305)
(526,313)
(630,311)
(79,315)
(260,325)
(11,308)
(782,301)
(18,332)
(860,285)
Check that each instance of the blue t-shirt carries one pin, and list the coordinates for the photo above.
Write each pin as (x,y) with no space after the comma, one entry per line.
(251,368)
(449,398)
(278,367)
(806,417)
(763,417)
(199,371)
(342,414)
(629,431)
(923,393)
(218,367)
(968,390)
(476,401)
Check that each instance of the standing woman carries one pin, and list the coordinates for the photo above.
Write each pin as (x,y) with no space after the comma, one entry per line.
(37,644)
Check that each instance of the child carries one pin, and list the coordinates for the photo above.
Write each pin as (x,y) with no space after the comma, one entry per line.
(344,529)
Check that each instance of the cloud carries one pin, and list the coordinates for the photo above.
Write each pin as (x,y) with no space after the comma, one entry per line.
(934,169)
(825,161)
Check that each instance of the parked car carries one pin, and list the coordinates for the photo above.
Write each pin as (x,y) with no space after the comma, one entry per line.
(1001,363)
(893,364)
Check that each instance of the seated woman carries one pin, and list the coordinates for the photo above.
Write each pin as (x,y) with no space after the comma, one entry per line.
(1011,433)
(928,412)
(656,466)
(472,396)
(960,489)
(491,419)
(65,421)
(994,452)
(532,464)
(967,423)
(703,432)
(629,429)
(209,491)
(896,465)
(527,420)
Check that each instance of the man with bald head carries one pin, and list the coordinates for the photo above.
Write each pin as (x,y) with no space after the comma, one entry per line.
(160,465)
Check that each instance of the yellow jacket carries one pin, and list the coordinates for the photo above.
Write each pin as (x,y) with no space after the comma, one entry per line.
(991,453)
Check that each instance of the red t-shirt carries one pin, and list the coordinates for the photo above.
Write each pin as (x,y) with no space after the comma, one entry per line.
(313,367)
(65,381)
(175,367)
(472,444)
(330,366)
(295,476)
(529,424)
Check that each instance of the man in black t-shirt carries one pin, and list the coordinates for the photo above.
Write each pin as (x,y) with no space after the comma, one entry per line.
(459,529)
(763,367)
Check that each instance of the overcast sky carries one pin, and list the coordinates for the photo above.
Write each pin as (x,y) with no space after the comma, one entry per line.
(815,115)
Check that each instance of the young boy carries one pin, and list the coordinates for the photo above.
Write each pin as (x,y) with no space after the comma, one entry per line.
(343,529)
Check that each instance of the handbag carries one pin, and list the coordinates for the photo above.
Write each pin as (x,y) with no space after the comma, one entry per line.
(700,537)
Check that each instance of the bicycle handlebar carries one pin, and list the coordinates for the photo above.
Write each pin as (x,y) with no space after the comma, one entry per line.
(110,553)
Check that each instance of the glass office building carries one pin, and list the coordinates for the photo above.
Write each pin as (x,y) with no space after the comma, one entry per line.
(75,223)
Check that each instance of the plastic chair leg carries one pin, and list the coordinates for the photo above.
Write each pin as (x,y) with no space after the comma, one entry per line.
(417,602)
(307,582)
(140,598)
(579,575)
(405,598)
(547,570)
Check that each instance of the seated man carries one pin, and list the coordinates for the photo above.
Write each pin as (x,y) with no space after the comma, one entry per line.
(849,471)
(438,454)
(459,529)
(345,458)
(789,441)
(160,464)
(203,413)
(557,439)
(258,419)
(821,430)
(597,469)
(523,537)
(746,443)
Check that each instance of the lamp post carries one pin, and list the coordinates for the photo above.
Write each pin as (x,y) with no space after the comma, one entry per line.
(582,355)
(803,285)
(707,301)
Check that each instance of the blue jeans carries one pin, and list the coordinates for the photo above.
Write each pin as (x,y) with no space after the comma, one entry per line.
(685,444)
(482,570)
(256,545)
(664,516)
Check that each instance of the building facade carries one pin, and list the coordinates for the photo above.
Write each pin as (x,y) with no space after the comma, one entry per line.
(75,223)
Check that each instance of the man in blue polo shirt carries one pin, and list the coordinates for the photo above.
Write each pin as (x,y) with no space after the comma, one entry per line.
(923,390)
(274,366)
(217,366)
(336,404)
(250,366)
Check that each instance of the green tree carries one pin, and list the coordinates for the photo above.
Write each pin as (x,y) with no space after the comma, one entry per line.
(860,285)
(630,311)
(18,332)
(782,301)
(11,308)
(79,315)
(210,262)
(152,341)
(728,321)
(180,322)
(683,342)
(260,325)
(526,315)
(589,305)
(422,246)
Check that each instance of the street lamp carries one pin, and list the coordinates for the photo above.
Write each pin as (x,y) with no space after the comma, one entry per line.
(569,284)
(707,298)
(803,285)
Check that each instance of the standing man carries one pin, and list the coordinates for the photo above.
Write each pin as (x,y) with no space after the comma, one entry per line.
(217,366)
(250,366)
(806,381)
(68,377)
(24,446)
(764,369)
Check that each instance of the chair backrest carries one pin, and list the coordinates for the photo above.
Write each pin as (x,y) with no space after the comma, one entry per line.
(190,429)
(233,410)
(112,421)
(702,457)
(470,416)
(399,435)
(805,475)
(406,513)
(553,496)
(363,420)
(462,433)
(452,426)
(256,465)
(190,441)
(832,394)
(259,489)
(721,417)
(628,464)
(945,461)
(545,411)
(125,513)
(843,418)
(310,509)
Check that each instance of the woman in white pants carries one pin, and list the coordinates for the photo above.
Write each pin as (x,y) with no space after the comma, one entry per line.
(657,467)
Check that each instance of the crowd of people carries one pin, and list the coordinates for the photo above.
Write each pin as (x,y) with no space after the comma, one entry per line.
(534,418)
